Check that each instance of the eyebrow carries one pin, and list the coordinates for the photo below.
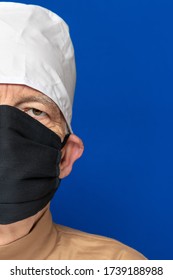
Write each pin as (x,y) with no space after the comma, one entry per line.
(40,99)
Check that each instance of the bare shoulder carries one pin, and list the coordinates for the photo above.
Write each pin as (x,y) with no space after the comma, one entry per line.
(91,246)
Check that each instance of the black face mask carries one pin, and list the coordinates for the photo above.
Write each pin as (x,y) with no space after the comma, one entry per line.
(30,154)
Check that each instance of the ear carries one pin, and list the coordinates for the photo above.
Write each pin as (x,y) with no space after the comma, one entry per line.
(72,150)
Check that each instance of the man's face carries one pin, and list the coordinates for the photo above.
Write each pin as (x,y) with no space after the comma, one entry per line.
(44,110)
(35,104)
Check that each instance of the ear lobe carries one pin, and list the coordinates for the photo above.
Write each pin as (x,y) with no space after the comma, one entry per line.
(72,150)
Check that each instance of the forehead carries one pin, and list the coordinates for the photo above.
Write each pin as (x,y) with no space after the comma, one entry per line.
(23,93)
(20,91)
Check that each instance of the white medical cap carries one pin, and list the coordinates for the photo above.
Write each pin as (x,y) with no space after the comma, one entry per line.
(36,50)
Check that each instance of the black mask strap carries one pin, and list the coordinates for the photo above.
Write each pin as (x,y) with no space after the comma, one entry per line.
(65,140)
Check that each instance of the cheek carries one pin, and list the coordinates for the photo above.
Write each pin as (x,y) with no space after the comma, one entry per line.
(56,128)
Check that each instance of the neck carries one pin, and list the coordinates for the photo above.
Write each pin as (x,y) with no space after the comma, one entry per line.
(12,232)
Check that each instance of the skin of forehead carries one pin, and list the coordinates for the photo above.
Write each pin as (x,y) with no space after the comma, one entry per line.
(23,93)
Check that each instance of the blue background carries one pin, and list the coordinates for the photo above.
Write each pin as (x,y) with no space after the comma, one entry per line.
(122,187)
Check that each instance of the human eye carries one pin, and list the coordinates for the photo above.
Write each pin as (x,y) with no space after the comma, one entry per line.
(35,113)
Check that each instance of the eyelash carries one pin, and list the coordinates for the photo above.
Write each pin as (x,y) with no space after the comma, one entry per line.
(32,109)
